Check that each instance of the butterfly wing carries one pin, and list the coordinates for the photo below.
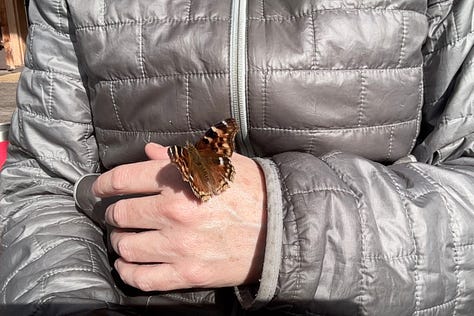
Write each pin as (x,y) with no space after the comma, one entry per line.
(219,139)
(221,173)
(192,170)
(180,157)
(215,148)
(206,165)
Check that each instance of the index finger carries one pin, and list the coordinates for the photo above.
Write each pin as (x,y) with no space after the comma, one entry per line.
(135,178)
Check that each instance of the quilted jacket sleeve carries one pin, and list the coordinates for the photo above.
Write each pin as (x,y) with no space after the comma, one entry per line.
(362,238)
(50,252)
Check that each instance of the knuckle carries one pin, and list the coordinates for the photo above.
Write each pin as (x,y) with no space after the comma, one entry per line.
(181,214)
(195,276)
(119,214)
(119,178)
(125,250)
(142,281)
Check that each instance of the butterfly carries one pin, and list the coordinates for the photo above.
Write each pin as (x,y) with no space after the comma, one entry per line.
(206,165)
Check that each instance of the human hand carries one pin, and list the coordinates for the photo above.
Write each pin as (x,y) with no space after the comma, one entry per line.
(179,242)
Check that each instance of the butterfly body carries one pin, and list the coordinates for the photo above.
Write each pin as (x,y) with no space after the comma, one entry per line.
(206,166)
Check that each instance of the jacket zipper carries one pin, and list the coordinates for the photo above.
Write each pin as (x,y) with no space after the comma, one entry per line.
(238,73)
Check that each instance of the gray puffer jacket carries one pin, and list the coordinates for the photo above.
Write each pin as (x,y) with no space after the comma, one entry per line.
(361,114)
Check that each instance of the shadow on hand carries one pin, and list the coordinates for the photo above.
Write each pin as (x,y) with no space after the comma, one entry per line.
(170,176)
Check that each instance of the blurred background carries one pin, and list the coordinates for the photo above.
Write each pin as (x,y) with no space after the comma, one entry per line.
(13,32)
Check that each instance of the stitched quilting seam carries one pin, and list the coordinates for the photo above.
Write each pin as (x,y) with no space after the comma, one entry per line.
(418,195)
(54,72)
(50,92)
(410,222)
(50,247)
(167,20)
(31,37)
(58,13)
(63,159)
(438,3)
(105,150)
(114,104)
(67,186)
(41,305)
(294,292)
(255,68)
(10,219)
(264,98)
(325,189)
(363,270)
(390,144)
(313,29)
(268,129)
(141,56)
(331,154)
(50,274)
(213,74)
(387,258)
(466,245)
(355,10)
(198,299)
(41,116)
(48,27)
(267,18)
(437,307)
(419,110)
(91,160)
(80,221)
(310,146)
(455,24)
(337,130)
(103,9)
(46,157)
(92,259)
(148,300)
(21,127)
(85,135)
(444,120)
(54,272)
(403,39)
(105,131)
(189,15)
(220,74)
(450,44)
(362,98)
(452,224)
(188,103)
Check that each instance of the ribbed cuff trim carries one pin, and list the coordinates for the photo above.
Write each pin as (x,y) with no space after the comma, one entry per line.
(272,259)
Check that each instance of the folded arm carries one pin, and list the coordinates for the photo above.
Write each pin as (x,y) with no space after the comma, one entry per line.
(360,237)
(50,252)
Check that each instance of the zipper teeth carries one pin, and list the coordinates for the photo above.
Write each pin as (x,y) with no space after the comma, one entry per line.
(238,71)
(234,60)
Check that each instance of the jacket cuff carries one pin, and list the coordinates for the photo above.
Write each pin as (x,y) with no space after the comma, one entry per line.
(271,264)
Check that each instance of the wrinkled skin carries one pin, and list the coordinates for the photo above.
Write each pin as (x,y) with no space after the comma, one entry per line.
(169,240)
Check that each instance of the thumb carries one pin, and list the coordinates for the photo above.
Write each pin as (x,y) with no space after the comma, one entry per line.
(156,151)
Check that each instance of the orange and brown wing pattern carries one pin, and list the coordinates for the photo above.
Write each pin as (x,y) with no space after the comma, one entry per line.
(180,157)
(220,138)
(206,165)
